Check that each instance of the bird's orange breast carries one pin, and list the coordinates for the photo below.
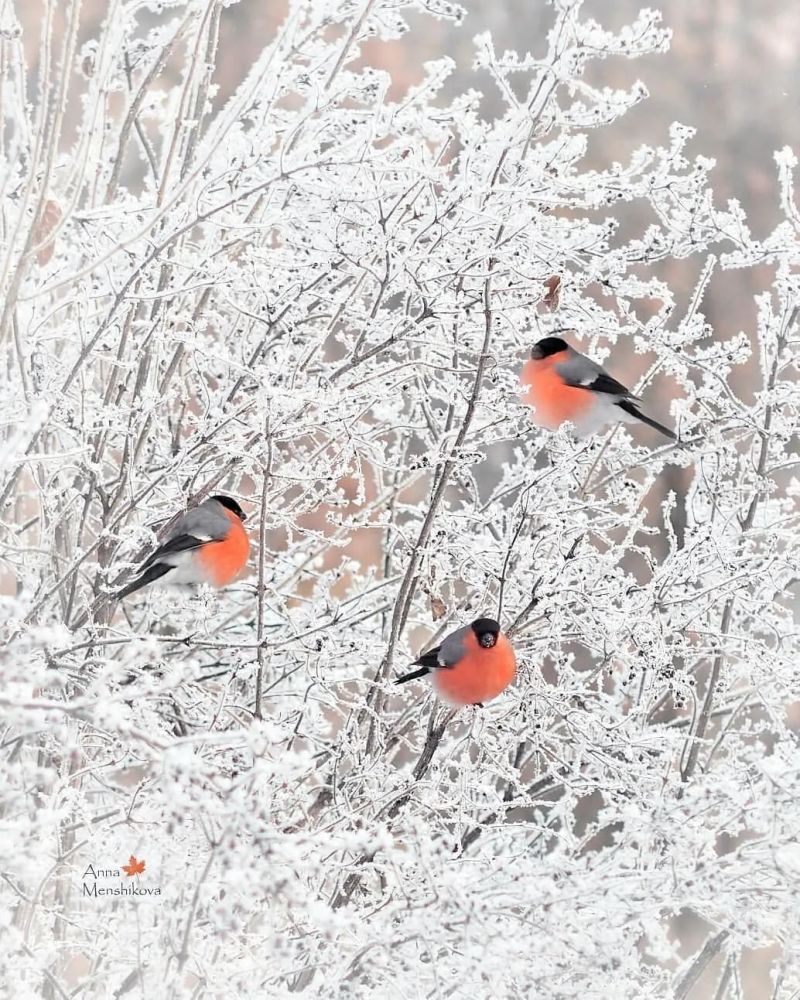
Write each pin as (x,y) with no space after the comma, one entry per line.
(480,675)
(554,401)
(224,560)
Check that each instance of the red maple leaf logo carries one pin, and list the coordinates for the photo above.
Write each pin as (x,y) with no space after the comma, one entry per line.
(133,867)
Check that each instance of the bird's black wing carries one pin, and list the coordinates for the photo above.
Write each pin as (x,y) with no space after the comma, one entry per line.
(427,662)
(583,373)
(429,659)
(155,567)
(602,383)
(179,543)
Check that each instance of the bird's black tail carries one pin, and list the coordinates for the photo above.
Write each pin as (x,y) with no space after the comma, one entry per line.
(630,407)
(413,675)
(426,662)
(153,572)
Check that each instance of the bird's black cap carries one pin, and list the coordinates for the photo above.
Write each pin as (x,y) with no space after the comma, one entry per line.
(230,504)
(481,625)
(486,631)
(550,345)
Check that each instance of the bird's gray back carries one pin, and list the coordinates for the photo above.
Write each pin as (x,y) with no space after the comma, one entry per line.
(578,369)
(452,647)
(206,522)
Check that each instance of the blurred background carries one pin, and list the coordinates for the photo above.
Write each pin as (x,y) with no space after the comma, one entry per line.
(731,73)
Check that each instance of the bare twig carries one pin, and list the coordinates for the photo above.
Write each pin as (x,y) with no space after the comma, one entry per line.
(709,952)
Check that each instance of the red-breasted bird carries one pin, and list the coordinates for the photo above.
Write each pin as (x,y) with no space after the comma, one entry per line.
(561,385)
(471,666)
(207,544)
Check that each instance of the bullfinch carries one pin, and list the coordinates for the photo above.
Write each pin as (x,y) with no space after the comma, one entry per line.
(471,666)
(561,385)
(207,544)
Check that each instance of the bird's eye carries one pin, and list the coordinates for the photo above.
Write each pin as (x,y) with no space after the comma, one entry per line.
(487,640)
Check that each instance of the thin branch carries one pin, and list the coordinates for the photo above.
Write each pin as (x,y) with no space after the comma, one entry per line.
(709,952)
